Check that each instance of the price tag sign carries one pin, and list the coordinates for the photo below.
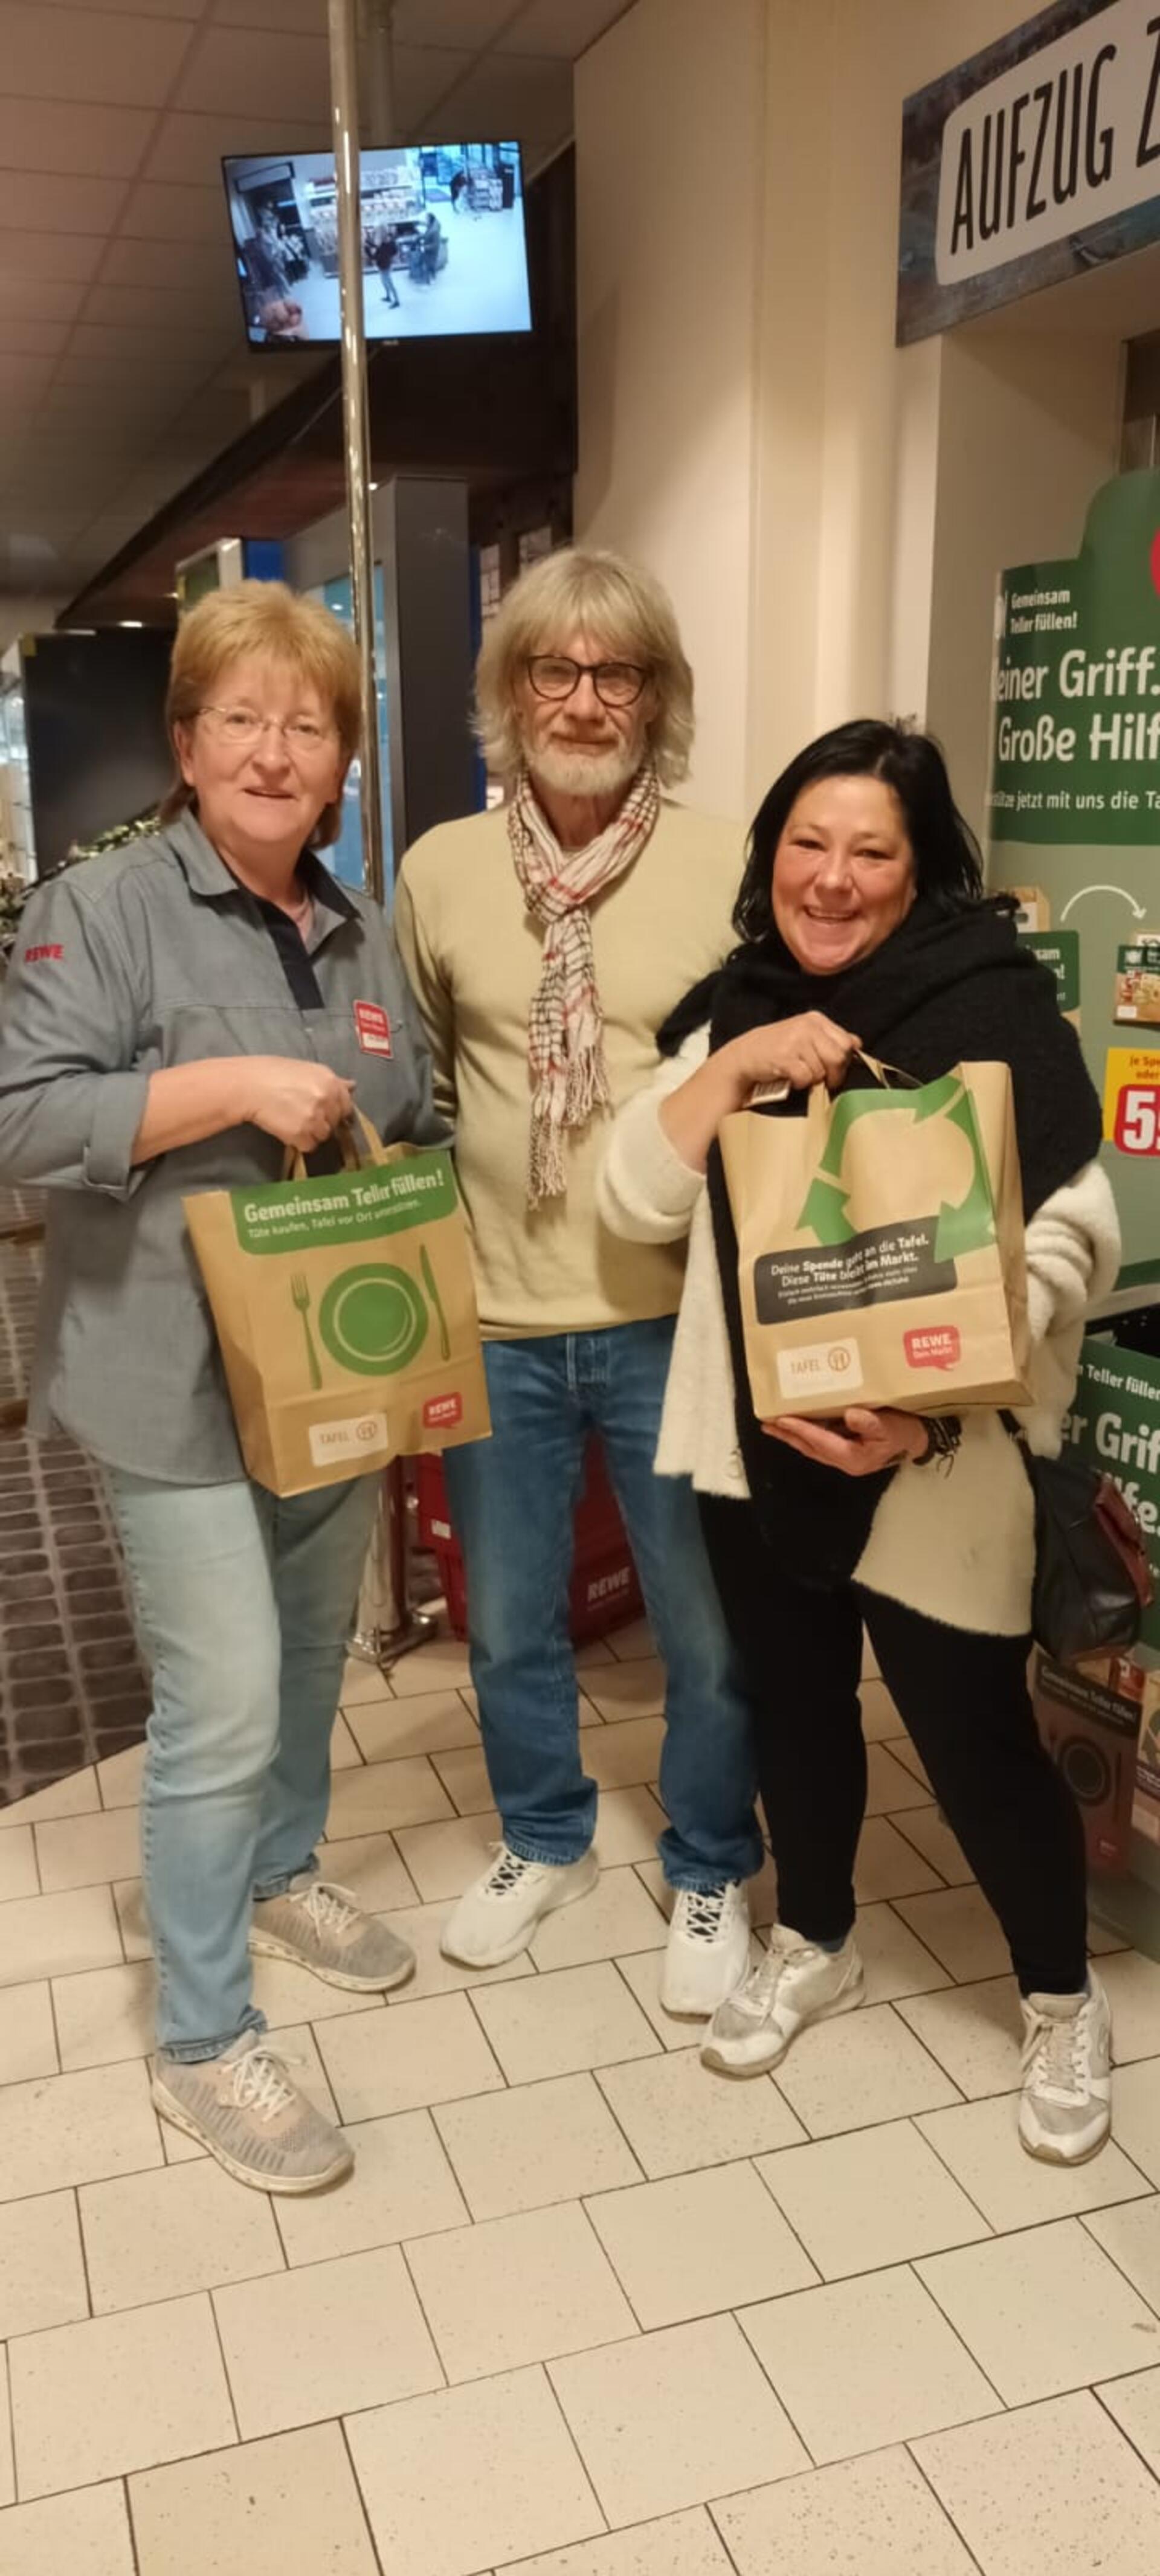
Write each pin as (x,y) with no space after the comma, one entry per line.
(1132,1100)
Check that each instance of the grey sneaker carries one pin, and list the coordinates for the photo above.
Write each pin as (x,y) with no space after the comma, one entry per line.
(795,1983)
(245,2107)
(322,1928)
(1065,2111)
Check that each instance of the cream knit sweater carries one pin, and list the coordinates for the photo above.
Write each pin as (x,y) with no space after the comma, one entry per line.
(958,1547)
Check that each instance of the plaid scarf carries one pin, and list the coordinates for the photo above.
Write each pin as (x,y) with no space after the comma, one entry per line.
(565,1028)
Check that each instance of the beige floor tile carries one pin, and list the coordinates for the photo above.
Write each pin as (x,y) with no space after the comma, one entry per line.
(980,2143)
(323,2339)
(866,2362)
(393,1730)
(402,2185)
(93,2401)
(444,1859)
(1136,2114)
(625,1645)
(422,1927)
(961,1930)
(7,2453)
(344,1752)
(974,2031)
(42,2270)
(891,1786)
(617,1919)
(287,1993)
(18,1876)
(1055,2487)
(363,1683)
(68,2129)
(1103,1938)
(681,2544)
(880,1718)
(269,2508)
(383,1795)
(643,1974)
(632,1687)
(674,2419)
(678,2117)
(49,1936)
(163,2235)
(895,1962)
(869,2517)
(1135,2403)
(534,2145)
(873,2198)
(27,2035)
(698,2243)
(300,2049)
(620,1757)
(76,1795)
(904,1752)
(444,1665)
(925,1828)
(515,2290)
(86,2534)
(88,1851)
(558,2024)
(119,1778)
(464,1777)
(862,2067)
(1044,2311)
(762,1894)
(104,2014)
(404,2060)
(129,1900)
(1131,2235)
(1133,1990)
(370,1866)
(628,1824)
(518,2486)
(887,1865)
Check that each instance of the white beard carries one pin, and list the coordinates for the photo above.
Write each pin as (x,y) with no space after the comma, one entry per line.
(586,773)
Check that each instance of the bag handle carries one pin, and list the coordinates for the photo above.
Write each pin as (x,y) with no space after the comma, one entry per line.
(889,1077)
(374,1150)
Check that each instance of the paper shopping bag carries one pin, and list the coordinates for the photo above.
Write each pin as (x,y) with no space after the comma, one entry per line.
(880,1242)
(345,1312)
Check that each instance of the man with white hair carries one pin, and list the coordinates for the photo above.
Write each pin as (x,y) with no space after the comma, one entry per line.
(546,943)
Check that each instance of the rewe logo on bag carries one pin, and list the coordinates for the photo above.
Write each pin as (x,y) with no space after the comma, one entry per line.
(441,1412)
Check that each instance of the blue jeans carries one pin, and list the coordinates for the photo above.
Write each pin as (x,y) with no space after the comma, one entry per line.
(243,1605)
(512,1501)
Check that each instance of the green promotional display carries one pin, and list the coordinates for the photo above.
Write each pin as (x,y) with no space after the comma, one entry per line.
(1074,817)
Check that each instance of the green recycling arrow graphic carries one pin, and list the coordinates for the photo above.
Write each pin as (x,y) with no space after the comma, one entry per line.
(965,1228)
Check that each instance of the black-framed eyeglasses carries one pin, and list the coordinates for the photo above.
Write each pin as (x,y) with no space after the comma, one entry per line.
(556,675)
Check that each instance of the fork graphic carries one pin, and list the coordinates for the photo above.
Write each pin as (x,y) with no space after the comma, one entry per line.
(300,1292)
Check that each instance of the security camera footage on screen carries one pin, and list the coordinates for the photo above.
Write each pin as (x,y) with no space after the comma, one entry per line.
(442,235)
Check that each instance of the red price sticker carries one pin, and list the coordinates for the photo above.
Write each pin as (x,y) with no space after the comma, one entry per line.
(1137,1129)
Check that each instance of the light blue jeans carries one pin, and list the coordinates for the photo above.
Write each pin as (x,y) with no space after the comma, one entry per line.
(244,1606)
(512,1501)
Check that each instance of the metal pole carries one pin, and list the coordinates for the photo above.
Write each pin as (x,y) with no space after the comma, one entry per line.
(387,1567)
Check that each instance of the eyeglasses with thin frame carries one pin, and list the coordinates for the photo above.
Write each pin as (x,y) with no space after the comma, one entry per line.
(243,729)
(556,675)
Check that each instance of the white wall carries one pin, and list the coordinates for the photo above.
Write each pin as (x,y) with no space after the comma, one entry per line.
(26,613)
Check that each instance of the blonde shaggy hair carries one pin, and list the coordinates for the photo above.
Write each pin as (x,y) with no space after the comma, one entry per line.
(628,617)
(264,617)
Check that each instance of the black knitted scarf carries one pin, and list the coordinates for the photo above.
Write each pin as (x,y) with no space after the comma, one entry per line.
(942,990)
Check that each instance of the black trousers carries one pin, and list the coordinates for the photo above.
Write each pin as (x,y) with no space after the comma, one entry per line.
(964,1701)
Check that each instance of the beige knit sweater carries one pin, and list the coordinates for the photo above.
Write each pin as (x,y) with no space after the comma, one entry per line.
(473,958)
(960,1546)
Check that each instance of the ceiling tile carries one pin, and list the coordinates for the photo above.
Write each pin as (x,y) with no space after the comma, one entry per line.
(191,147)
(176,214)
(280,17)
(34,204)
(181,268)
(237,67)
(33,339)
(508,95)
(48,134)
(189,9)
(135,309)
(35,299)
(471,23)
(52,255)
(423,75)
(89,54)
(564,27)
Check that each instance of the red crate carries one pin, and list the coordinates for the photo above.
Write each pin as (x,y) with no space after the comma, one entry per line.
(604,1591)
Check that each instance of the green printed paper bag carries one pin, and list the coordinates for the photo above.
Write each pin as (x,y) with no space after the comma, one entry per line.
(880,1244)
(345,1311)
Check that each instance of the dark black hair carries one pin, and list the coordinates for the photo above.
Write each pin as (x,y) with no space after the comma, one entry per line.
(948,867)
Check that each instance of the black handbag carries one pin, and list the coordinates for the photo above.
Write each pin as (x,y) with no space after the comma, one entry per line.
(1093,1577)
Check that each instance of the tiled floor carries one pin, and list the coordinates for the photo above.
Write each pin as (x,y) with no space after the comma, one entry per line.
(583,2309)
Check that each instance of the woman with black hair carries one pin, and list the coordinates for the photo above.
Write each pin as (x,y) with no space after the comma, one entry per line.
(863,925)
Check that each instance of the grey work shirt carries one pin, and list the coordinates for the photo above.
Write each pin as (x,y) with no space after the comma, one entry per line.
(155,955)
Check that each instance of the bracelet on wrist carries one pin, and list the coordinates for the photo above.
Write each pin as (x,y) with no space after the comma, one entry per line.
(944,1432)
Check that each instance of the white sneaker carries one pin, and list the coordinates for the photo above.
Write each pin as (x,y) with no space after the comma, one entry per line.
(793,1984)
(498,1915)
(708,1947)
(1065,2113)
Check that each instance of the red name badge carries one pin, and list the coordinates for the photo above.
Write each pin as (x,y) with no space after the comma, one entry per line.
(373,1028)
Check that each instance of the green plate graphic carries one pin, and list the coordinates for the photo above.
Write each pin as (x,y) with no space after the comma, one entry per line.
(373,1318)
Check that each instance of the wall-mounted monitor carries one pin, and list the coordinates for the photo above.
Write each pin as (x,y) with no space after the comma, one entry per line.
(444,252)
